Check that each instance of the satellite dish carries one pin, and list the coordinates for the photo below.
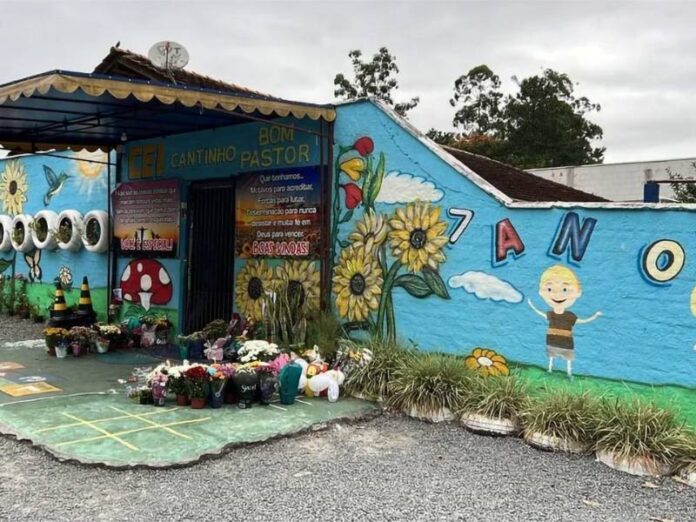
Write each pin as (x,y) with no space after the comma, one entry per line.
(168,55)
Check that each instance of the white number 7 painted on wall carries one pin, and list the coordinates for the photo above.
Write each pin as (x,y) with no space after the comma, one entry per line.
(465,216)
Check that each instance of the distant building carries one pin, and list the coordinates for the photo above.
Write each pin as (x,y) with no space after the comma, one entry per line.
(621,181)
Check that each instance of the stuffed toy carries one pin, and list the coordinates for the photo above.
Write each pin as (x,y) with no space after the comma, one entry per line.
(328,381)
(303,376)
(214,352)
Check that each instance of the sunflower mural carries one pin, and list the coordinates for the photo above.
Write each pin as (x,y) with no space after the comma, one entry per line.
(13,187)
(487,362)
(300,277)
(382,252)
(254,280)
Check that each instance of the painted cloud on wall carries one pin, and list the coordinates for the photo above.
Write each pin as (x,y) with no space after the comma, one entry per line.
(485,286)
(401,187)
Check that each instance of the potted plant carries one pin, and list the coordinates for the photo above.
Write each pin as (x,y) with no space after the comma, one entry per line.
(640,438)
(56,341)
(258,350)
(560,421)
(158,386)
(429,387)
(245,382)
(218,381)
(197,380)
(267,383)
(145,395)
(492,405)
(177,385)
(106,334)
(81,339)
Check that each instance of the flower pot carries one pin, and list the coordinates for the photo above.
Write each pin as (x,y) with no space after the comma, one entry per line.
(216,399)
(51,350)
(182,400)
(102,345)
(550,443)
(489,425)
(146,399)
(197,403)
(196,350)
(76,349)
(641,466)
(159,393)
(61,350)
(183,352)
(162,336)
(267,383)
(441,415)
(230,396)
(289,381)
(245,384)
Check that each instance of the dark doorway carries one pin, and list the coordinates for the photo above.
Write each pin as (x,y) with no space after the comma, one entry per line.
(210,270)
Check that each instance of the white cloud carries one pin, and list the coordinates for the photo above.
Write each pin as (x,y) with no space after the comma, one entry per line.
(486,286)
(400,187)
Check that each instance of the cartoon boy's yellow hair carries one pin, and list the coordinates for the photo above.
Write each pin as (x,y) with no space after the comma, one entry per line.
(561,272)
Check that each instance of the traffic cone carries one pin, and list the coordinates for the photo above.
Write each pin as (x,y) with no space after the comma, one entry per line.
(84,307)
(59,310)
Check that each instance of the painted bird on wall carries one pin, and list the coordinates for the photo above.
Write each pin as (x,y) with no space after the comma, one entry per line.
(55,183)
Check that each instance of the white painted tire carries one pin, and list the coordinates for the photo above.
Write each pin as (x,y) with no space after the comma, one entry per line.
(28,244)
(441,415)
(6,239)
(51,219)
(689,476)
(550,443)
(639,466)
(75,242)
(102,218)
(488,425)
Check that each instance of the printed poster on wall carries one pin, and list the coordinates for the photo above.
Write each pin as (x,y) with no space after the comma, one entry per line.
(278,214)
(146,218)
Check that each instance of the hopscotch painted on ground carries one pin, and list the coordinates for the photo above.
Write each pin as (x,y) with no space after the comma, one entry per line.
(118,436)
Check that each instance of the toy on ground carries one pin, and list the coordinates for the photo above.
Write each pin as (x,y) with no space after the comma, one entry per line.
(303,376)
(328,381)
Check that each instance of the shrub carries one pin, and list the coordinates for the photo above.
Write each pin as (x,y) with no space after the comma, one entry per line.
(429,383)
(324,330)
(495,397)
(567,416)
(643,430)
(372,380)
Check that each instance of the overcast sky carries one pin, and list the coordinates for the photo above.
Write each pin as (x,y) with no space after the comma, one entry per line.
(637,59)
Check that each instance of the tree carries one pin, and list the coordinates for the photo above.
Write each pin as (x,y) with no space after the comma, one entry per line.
(478,95)
(684,192)
(376,78)
(543,124)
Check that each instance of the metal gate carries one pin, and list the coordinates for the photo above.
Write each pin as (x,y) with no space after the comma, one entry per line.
(210,259)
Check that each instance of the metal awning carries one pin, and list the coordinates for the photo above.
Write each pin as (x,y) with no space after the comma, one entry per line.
(59,110)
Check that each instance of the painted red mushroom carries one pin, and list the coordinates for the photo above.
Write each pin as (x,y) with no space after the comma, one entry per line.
(146,282)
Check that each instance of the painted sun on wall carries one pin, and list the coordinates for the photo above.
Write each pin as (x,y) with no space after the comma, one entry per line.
(403,248)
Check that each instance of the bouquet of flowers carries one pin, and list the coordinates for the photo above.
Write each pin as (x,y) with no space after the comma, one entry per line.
(82,336)
(197,378)
(177,379)
(219,374)
(257,351)
(54,336)
(109,332)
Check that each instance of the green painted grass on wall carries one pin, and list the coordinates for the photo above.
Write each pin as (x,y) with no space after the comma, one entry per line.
(42,294)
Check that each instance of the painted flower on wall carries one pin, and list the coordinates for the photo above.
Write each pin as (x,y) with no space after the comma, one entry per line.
(13,187)
(251,286)
(357,283)
(300,277)
(487,362)
(65,277)
(417,236)
(370,232)
(353,168)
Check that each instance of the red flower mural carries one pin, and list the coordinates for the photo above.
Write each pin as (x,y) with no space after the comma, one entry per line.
(364,146)
(353,195)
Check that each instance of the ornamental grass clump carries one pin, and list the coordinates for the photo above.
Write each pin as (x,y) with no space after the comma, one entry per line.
(430,385)
(371,380)
(569,418)
(495,397)
(642,432)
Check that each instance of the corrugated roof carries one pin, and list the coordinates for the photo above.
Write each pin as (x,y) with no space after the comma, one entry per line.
(519,184)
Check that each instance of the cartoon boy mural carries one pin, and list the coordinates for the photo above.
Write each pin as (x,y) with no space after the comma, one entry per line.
(559,287)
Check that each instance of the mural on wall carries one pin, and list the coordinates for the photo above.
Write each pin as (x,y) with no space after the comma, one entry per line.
(383,252)
(33,261)
(487,362)
(261,279)
(13,187)
(55,183)
(560,288)
(146,282)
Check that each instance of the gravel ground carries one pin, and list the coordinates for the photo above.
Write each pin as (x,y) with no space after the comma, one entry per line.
(391,468)
(13,329)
